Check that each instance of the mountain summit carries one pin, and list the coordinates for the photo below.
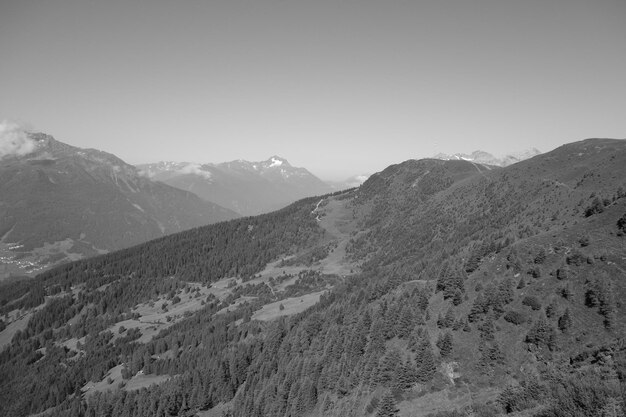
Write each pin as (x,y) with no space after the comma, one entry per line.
(246,187)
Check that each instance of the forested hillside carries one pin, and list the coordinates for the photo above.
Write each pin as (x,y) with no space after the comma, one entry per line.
(442,288)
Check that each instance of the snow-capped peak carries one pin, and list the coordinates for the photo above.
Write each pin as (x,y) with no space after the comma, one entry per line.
(483,157)
(275,162)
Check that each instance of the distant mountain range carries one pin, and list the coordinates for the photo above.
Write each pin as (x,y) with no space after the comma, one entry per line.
(59,202)
(486,158)
(245,187)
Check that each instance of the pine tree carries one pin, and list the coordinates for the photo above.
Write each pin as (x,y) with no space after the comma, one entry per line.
(391,321)
(422,301)
(425,361)
(407,375)
(443,278)
(440,321)
(389,367)
(414,338)
(457,298)
(405,323)
(487,328)
(466,327)
(478,308)
(449,318)
(444,343)
(387,406)
(377,337)
(565,321)
(542,334)
(551,309)
(505,291)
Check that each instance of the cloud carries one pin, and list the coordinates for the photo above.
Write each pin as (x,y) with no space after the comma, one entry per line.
(146,173)
(14,140)
(195,169)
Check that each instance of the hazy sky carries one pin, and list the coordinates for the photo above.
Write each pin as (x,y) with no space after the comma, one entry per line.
(340,87)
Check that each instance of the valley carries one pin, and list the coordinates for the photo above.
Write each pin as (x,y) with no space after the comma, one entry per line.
(312,208)
(434,289)
(246,187)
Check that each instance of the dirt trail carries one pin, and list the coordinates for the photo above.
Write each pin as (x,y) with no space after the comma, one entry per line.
(337,220)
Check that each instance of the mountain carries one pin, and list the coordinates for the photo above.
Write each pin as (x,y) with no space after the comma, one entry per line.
(437,288)
(59,203)
(248,188)
(486,158)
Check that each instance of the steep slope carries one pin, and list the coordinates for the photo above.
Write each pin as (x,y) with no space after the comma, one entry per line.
(248,188)
(59,202)
(436,287)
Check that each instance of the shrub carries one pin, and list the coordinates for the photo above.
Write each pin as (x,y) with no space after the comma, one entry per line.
(566,292)
(514,317)
(584,241)
(531,302)
(540,257)
(597,206)
(444,343)
(563,273)
(565,321)
(576,258)
(486,410)
(522,397)
(621,224)
(542,334)
(534,272)
(551,309)
(373,405)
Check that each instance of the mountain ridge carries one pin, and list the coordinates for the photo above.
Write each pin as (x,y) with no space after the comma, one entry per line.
(246,187)
(483,157)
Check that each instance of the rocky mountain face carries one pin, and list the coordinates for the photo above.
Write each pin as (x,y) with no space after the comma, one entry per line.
(249,188)
(482,157)
(437,288)
(59,203)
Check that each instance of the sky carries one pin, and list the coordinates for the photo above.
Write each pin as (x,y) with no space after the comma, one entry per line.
(340,87)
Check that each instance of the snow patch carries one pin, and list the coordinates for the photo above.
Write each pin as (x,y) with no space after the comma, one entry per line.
(138,207)
(275,162)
